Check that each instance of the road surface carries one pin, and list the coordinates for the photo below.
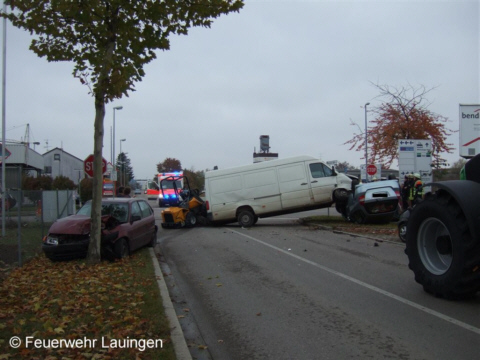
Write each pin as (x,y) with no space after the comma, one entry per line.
(282,291)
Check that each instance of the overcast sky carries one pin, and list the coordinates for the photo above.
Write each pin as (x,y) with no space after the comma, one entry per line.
(298,71)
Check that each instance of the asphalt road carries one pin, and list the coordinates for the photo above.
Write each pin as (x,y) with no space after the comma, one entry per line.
(282,291)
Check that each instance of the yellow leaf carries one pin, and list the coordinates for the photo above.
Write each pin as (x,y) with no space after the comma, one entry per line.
(59,330)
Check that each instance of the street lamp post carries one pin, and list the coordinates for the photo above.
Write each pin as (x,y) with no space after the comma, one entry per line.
(366,142)
(113,140)
(123,161)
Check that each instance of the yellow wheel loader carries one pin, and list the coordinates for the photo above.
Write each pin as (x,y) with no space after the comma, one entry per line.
(190,210)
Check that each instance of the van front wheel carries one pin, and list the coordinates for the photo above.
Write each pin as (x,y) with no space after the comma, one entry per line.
(246,218)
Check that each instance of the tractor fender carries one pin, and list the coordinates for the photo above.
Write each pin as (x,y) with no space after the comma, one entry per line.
(467,195)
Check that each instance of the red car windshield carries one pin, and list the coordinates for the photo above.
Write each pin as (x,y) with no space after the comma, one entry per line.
(117,210)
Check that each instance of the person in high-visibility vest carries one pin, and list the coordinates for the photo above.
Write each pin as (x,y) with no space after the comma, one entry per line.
(416,191)
(406,190)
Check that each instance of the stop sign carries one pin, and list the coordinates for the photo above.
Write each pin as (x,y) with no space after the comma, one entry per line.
(371,169)
(88,165)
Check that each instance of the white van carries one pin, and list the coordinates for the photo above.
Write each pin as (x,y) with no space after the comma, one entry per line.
(271,188)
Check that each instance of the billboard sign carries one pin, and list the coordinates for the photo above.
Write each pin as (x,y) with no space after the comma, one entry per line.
(415,156)
(469,118)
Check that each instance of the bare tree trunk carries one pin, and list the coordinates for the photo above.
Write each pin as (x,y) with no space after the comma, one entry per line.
(94,248)
(100,91)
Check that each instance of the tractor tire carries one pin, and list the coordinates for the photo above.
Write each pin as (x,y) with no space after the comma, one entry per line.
(442,253)
(190,220)
(121,248)
(246,218)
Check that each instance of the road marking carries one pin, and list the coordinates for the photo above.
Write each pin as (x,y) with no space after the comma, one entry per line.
(368,286)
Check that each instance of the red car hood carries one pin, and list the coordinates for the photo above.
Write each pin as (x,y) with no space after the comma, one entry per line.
(74,224)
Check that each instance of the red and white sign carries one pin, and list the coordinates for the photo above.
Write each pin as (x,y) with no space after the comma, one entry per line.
(469,130)
(88,165)
(371,169)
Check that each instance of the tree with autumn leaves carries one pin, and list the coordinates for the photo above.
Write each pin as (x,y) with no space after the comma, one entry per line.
(403,114)
(109,42)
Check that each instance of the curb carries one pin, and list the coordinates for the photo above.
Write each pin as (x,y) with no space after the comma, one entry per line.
(329,228)
(179,344)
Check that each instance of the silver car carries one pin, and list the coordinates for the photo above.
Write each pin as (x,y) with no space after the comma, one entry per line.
(375,202)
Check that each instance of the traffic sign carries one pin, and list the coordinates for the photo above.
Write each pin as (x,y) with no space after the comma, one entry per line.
(7,153)
(371,169)
(88,165)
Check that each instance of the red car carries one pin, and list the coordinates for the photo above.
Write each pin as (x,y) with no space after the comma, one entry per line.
(127,224)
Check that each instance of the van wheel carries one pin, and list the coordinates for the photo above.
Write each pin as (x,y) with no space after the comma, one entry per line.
(341,195)
(342,209)
(246,218)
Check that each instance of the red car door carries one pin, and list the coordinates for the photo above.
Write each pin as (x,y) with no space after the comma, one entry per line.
(137,230)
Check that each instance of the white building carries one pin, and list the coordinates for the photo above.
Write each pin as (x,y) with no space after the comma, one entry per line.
(58,162)
(21,159)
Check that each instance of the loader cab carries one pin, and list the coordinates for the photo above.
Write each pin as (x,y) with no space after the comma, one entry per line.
(190,206)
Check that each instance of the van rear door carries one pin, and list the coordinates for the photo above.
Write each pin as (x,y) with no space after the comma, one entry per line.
(294,185)
(322,181)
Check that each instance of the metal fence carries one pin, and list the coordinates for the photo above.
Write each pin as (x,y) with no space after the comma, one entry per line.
(27,218)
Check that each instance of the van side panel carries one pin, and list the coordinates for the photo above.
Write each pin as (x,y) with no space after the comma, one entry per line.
(225,192)
(226,189)
(257,189)
(261,183)
(294,186)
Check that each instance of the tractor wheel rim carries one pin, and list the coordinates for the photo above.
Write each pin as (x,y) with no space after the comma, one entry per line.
(435,246)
